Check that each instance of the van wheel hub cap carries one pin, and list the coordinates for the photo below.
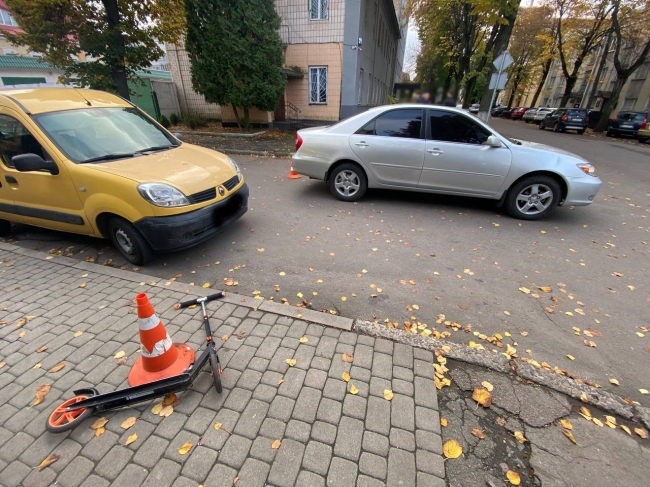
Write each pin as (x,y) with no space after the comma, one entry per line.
(124,241)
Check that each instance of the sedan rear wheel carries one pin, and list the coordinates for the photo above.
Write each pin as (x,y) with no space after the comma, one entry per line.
(541,125)
(533,198)
(348,182)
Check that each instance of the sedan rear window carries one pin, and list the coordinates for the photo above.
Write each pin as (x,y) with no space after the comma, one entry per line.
(577,113)
(631,116)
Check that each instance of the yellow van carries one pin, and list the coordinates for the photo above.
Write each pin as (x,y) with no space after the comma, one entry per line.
(88,162)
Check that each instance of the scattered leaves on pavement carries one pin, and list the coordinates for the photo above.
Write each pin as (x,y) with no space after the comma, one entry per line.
(185,448)
(169,399)
(276,444)
(487,385)
(131,439)
(346,357)
(100,431)
(78,334)
(120,354)
(478,433)
(303,339)
(217,425)
(353,389)
(443,422)
(207,284)
(644,391)
(626,429)
(520,437)
(346,376)
(452,449)
(41,392)
(566,424)
(99,423)
(290,362)
(42,349)
(388,394)
(513,477)
(614,381)
(166,411)
(569,435)
(157,408)
(128,422)
(53,457)
(482,396)
(641,432)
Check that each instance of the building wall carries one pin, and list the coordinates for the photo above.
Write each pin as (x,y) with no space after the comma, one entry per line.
(191,102)
(51,76)
(297,28)
(297,91)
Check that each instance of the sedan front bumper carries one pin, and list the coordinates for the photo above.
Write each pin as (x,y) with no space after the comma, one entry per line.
(167,233)
(582,190)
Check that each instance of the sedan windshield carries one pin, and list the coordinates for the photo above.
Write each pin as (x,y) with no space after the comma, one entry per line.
(103,134)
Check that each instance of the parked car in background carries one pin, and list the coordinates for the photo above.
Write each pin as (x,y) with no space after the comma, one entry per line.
(474,108)
(564,119)
(506,113)
(92,163)
(496,111)
(529,116)
(442,150)
(627,123)
(541,113)
(643,135)
(517,113)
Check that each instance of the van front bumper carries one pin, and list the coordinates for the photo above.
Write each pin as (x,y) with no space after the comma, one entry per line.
(168,233)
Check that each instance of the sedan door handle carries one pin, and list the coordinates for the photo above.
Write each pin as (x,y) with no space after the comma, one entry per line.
(435,152)
(11,179)
(361,144)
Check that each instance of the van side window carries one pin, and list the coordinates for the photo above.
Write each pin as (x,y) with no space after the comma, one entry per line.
(15,139)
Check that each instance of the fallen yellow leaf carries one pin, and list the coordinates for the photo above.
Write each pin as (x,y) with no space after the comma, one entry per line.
(131,439)
(545,289)
(42,349)
(487,385)
(452,449)
(217,425)
(641,432)
(128,422)
(478,433)
(614,381)
(157,408)
(290,362)
(566,424)
(56,368)
(443,422)
(520,437)
(100,431)
(207,284)
(120,354)
(569,435)
(303,339)
(353,389)
(346,357)
(169,399)
(99,423)
(41,392)
(482,396)
(524,290)
(388,394)
(300,295)
(82,285)
(185,448)
(343,298)
(570,357)
(53,457)
(78,334)
(512,476)
(346,376)
(644,391)
(276,444)
(626,429)
(166,411)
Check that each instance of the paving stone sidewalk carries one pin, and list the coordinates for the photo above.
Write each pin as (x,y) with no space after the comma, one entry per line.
(328,435)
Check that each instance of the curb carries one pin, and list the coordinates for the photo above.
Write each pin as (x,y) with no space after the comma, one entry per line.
(294,312)
(565,385)
(221,134)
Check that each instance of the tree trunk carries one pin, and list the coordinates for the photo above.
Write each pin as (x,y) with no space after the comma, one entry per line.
(611,103)
(234,109)
(542,80)
(247,120)
(116,62)
(570,83)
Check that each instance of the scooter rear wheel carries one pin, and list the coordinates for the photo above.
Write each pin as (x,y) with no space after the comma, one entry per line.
(61,420)
(216,370)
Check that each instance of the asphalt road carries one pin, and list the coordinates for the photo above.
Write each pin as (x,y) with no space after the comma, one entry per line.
(467,259)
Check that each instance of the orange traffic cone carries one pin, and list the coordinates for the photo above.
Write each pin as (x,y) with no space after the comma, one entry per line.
(293,174)
(160,357)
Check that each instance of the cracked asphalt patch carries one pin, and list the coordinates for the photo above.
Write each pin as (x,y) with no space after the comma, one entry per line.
(603,456)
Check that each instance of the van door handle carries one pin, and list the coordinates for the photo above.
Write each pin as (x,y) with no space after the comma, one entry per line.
(11,179)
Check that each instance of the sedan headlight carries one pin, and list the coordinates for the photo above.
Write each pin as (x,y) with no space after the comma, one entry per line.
(162,195)
(587,168)
(236,167)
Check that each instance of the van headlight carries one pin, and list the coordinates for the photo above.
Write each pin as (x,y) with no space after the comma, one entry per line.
(235,167)
(162,195)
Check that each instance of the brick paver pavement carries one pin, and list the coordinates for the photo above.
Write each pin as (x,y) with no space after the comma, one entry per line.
(328,435)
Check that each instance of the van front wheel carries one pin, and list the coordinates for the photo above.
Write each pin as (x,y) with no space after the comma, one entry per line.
(129,241)
(5,228)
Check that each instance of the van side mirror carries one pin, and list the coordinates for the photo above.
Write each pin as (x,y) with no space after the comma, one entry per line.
(178,135)
(33,162)
(493,141)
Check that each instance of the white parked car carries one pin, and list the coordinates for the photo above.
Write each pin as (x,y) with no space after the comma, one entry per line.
(529,116)
(474,108)
(444,150)
(541,114)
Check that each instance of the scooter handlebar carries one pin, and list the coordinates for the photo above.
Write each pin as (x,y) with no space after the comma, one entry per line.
(206,299)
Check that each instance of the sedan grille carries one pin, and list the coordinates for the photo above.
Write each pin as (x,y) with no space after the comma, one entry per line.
(201,196)
(231,183)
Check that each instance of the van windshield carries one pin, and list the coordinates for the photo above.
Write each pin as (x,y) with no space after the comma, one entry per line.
(102,134)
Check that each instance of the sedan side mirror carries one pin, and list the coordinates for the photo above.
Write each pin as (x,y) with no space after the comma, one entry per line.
(493,141)
(33,162)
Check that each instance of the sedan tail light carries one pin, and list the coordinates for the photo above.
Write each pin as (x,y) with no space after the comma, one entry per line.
(298,141)
(565,118)
(644,124)
(587,120)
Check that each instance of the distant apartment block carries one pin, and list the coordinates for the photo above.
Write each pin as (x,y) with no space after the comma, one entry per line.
(341,57)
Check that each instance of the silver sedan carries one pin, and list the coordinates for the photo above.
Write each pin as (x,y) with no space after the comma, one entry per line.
(437,149)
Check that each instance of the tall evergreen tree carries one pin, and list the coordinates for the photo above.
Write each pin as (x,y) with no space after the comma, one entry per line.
(236,52)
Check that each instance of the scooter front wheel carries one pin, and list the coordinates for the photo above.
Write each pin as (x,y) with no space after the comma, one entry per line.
(62,420)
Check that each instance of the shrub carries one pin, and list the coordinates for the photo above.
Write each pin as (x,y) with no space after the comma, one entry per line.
(164,122)
(173,119)
(195,121)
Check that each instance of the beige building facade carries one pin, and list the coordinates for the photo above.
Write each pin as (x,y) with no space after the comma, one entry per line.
(341,57)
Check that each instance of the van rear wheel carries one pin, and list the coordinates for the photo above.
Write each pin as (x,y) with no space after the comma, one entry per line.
(129,241)
(5,228)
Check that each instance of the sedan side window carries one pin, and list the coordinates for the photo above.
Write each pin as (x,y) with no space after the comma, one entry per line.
(15,139)
(454,127)
(406,123)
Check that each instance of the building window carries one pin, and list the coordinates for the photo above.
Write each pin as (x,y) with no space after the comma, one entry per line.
(641,72)
(628,104)
(551,82)
(647,104)
(6,18)
(318,9)
(318,85)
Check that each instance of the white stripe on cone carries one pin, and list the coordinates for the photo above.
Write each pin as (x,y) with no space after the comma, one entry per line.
(158,349)
(149,323)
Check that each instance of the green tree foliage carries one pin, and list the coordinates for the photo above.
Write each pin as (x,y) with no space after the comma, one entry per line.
(118,37)
(236,52)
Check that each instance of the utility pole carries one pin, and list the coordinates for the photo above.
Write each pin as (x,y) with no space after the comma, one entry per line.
(601,65)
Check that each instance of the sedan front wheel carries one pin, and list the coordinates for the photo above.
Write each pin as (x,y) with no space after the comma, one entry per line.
(533,198)
(348,182)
